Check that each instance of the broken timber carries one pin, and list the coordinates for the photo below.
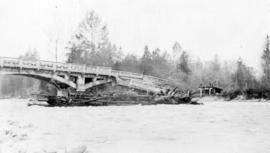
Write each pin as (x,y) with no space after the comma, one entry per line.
(174,96)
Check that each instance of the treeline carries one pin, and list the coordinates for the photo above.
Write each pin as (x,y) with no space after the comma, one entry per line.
(246,84)
(90,45)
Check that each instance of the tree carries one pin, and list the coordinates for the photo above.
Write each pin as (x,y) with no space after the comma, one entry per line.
(183,64)
(75,55)
(90,44)
(131,63)
(226,73)
(31,55)
(196,78)
(176,50)
(160,63)
(216,64)
(243,78)
(145,65)
(213,72)
(266,63)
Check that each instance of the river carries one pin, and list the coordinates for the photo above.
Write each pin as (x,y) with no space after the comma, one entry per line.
(215,127)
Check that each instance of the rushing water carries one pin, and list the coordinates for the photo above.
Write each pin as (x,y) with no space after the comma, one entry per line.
(215,127)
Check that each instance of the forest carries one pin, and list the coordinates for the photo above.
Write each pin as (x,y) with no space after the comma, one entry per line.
(90,45)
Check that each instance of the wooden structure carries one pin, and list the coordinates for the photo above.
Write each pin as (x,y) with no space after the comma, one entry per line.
(209,90)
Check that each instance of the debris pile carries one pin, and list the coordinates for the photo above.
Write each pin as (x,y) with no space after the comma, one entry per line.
(75,98)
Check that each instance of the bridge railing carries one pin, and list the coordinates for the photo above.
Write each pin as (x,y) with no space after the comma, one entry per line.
(77,68)
(129,74)
(11,62)
(46,65)
(91,69)
(103,70)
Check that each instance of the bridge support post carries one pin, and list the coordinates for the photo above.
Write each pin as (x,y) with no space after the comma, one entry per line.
(66,76)
(94,79)
(60,93)
(201,92)
(80,83)
(113,83)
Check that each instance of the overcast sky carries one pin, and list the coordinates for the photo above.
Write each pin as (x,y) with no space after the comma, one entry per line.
(229,28)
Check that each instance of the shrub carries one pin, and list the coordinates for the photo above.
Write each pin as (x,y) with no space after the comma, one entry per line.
(230,93)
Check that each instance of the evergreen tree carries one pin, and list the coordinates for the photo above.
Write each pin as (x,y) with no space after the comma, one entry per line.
(176,50)
(90,44)
(216,64)
(266,63)
(183,64)
(243,78)
(145,65)
(131,63)
(75,55)
(160,63)
(214,73)
(238,77)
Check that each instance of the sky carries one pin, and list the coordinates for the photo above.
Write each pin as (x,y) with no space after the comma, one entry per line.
(228,28)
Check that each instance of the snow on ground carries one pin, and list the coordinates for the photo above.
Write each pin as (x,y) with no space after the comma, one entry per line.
(215,127)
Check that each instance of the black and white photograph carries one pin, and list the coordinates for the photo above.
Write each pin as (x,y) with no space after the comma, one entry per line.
(134,76)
